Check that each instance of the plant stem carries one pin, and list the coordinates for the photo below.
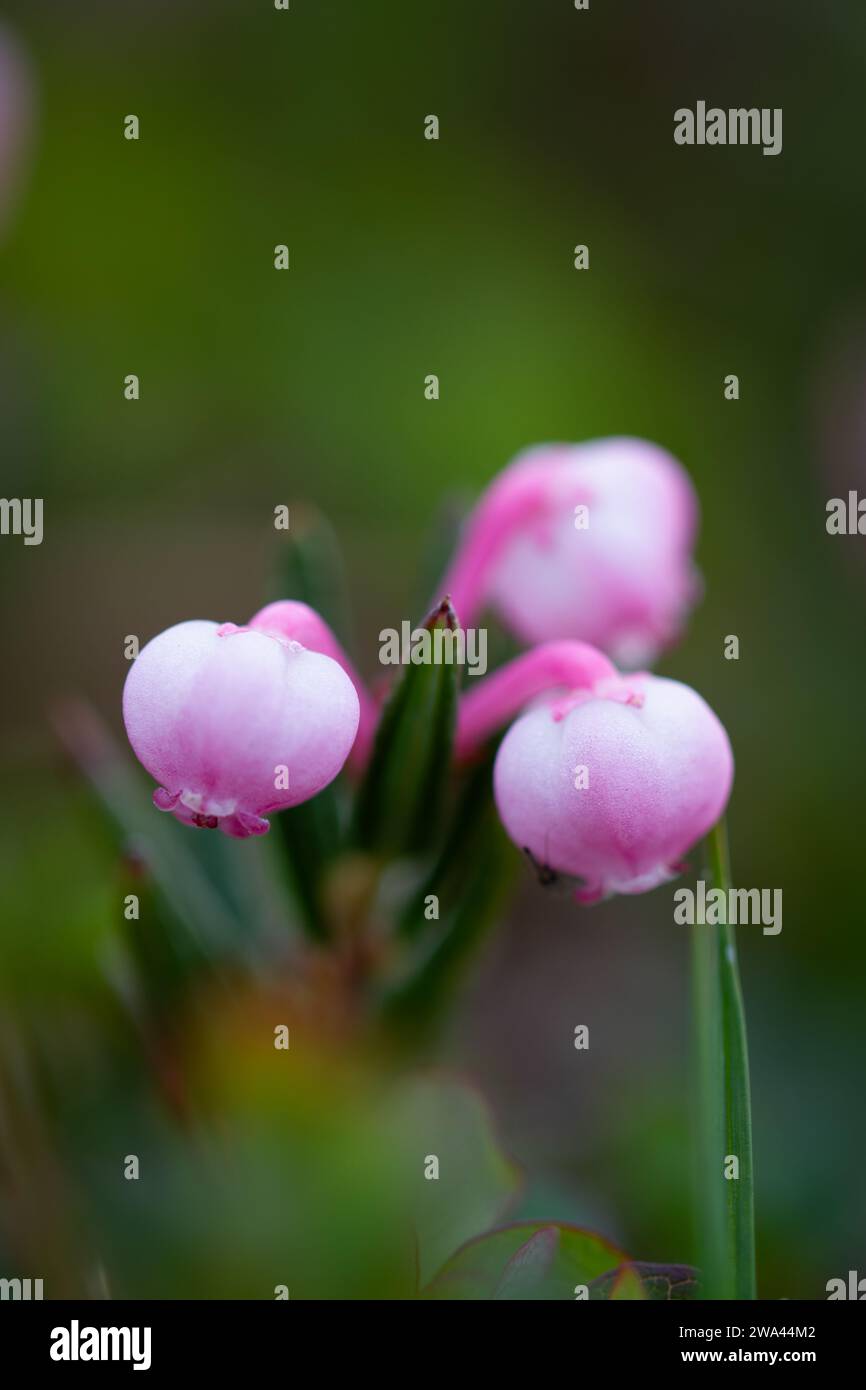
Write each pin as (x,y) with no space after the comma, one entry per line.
(503,694)
(725,1204)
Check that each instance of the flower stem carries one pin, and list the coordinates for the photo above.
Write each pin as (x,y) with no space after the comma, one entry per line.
(510,504)
(725,1203)
(503,694)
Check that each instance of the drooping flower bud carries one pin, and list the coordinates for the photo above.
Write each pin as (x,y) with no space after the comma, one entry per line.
(612,784)
(591,542)
(235,723)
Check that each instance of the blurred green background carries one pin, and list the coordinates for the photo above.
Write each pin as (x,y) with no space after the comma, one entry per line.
(411,257)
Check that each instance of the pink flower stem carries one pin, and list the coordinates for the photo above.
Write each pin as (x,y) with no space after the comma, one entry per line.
(550,666)
(300,623)
(505,509)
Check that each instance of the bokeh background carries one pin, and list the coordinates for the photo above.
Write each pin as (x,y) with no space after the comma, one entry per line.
(410,257)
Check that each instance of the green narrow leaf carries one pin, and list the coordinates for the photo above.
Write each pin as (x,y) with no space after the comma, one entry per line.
(468,885)
(412,1004)
(401,797)
(309,835)
(466,833)
(175,856)
(725,1207)
(164,957)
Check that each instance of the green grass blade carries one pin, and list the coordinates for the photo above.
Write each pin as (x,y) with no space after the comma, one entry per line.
(726,1223)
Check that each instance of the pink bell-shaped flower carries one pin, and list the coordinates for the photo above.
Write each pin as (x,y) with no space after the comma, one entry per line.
(605,778)
(590,542)
(613,784)
(235,722)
